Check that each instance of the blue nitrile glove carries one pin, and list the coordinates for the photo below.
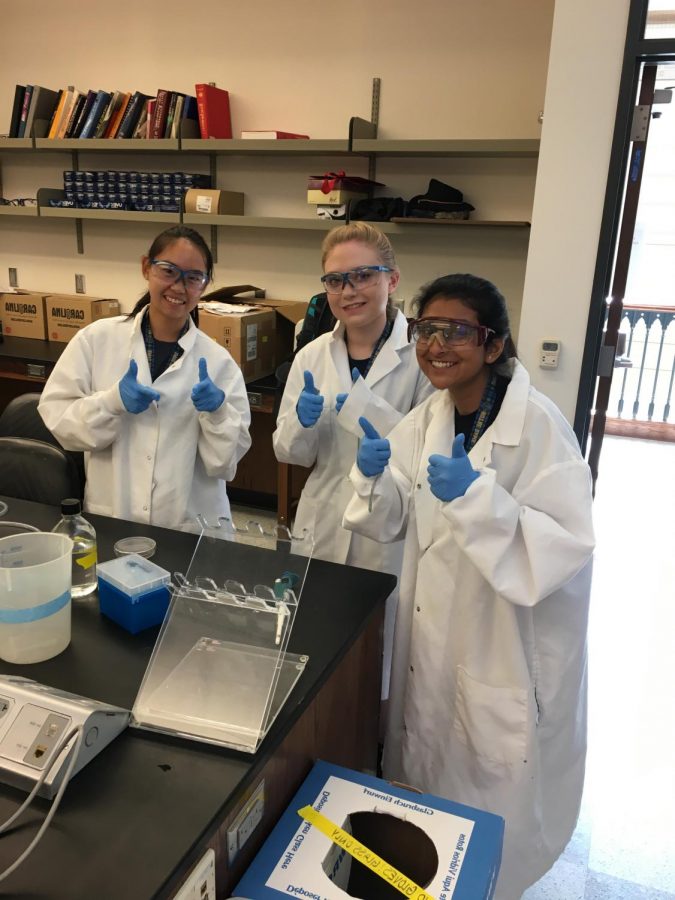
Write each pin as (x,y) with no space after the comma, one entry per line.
(374,451)
(340,398)
(136,397)
(205,395)
(310,403)
(450,476)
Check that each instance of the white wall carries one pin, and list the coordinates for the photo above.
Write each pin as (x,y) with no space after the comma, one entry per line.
(579,113)
(449,70)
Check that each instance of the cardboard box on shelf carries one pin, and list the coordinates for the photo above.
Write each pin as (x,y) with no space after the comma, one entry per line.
(370,835)
(214,202)
(334,198)
(22,314)
(248,336)
(69,313)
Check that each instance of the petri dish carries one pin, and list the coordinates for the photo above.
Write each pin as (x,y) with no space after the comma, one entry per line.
(144,546)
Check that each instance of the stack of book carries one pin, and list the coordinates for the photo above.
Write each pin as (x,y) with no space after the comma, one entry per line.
(332,192)
(140,191)
(70,113)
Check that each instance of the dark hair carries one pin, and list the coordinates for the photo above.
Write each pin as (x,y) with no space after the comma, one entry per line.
(477,294)
(160,243)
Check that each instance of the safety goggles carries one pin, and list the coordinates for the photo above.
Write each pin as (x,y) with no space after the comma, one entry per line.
(448,332)
(165,271)
(360,278)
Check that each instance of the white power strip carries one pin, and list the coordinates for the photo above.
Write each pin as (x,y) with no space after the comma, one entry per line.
(201,882)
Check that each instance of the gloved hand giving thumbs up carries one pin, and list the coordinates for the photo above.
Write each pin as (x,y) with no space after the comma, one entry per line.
(340,398)
(136,397)
(450,477)
(374,451)
(205,396)
(310,403)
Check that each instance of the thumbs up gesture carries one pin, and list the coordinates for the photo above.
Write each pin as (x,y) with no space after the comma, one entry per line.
(450,477)
(310,403)
(374,451)
(136,397)
(205,396)
(340,398)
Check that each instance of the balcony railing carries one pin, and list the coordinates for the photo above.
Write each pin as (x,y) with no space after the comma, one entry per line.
(644,376)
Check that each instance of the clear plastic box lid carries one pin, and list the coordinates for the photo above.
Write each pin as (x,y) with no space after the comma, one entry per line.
(133,574)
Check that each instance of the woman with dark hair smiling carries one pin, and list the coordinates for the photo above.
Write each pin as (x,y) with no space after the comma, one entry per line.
(486,483)
(158,407)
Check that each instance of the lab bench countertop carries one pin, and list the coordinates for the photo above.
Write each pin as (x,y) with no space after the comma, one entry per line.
(137,817)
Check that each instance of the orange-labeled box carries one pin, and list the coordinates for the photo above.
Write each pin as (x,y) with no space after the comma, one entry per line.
(22,314)
(69,313)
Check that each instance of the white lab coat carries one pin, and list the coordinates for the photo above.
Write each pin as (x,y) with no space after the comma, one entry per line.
(394,378)
(488,686)
(162,466)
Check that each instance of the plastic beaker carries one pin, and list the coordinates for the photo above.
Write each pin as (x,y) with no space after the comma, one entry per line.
(8,529)
(35,580)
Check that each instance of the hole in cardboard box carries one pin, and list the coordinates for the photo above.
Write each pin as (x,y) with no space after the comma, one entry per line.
(402,844)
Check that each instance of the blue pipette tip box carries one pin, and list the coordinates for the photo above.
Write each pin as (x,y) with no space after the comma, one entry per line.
(133,591)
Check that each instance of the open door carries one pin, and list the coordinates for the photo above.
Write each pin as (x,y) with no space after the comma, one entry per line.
(608,351)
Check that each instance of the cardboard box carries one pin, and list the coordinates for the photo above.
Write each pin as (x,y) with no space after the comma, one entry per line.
(248,337)
(69,313)
(287,312)
(447,849)
(207,201)
(23,315)
(334,198)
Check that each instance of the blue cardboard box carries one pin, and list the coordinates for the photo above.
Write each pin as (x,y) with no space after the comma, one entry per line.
(414,840)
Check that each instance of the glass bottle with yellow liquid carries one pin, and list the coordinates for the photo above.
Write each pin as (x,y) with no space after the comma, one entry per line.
(82,533)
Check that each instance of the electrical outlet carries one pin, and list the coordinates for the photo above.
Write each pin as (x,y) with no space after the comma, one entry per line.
(79,285)
(246,821)
(201,882)
(13,278)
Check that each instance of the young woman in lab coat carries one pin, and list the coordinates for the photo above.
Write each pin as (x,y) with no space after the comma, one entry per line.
(486,483)
(158,407)
(314,428)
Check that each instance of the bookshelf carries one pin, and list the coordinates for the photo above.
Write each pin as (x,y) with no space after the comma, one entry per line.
(360,143)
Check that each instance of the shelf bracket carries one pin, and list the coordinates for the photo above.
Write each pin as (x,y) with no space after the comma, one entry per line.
(213,171)
(375,119)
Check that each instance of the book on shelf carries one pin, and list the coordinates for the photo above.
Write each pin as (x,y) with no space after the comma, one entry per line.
(78,106)
(273,136)
(132,114)
(174,130)
(191,110)
(43,102)
(152,103)
(57,115)
(97,109)
(141,129)
(17,106)
(171,113)
(117,115)
(72,96)
(160,113)
(213,104)
(24,110)
(106,118)
(82,115)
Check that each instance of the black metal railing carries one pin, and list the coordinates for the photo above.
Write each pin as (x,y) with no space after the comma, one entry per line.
(643,389)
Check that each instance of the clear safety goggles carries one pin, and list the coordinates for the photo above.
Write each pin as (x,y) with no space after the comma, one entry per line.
(193,279)
(448,332)
(360,278)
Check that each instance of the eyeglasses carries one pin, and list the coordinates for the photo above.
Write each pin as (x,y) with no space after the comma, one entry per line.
(19,201)
(363,277)
(166,271)
(448,332)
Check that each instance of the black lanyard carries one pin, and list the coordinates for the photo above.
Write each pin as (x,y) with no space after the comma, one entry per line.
(381,341)
(483,415)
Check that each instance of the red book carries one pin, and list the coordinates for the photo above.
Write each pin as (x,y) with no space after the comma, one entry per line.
(213,106)
(158,122)
(273,135)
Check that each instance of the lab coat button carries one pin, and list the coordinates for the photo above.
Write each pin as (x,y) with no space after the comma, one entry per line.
(411,669)
(148,457)
(418,486)
(418,609)
(145,509)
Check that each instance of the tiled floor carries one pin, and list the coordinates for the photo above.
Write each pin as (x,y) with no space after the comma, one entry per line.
(624,845)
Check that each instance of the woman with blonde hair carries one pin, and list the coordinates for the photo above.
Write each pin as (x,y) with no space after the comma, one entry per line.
(366,367)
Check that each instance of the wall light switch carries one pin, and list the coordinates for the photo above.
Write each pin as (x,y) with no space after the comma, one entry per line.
(13,278)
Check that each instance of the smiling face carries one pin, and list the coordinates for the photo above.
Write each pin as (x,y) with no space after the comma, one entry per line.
(171,302)
(365,308)
(461,370)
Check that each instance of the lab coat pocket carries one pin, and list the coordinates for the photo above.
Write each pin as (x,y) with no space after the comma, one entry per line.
(492,722)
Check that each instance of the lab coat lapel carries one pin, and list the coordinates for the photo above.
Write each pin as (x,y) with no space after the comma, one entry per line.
(339,359)
(388,358)
(438,439)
